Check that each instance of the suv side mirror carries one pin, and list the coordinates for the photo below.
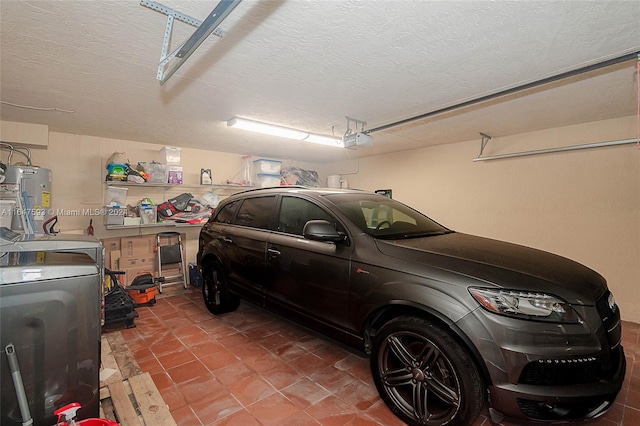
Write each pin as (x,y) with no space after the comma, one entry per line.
(321,230)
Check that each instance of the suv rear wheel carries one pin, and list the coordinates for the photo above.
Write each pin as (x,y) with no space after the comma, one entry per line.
(216,295)
(424,375)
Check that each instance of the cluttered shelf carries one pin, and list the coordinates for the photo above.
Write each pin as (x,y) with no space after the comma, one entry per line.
(132,194)
(152,194)
(155,225)
(175,185)
(183,210)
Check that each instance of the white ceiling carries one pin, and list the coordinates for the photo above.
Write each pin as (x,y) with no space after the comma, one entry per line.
(308,64)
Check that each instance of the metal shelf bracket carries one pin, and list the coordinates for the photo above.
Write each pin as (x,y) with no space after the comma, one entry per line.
(485,139)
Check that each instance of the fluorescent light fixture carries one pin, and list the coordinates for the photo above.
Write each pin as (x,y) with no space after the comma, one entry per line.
(284,132)
(267,129)
(324,140)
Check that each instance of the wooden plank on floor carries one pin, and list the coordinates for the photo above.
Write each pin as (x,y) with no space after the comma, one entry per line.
(125,412)
(106,407)
(104,393)
(110,372)
(123,356)
(152,406)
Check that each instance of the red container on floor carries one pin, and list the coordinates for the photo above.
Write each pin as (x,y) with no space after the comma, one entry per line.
(67,417)
(96,422)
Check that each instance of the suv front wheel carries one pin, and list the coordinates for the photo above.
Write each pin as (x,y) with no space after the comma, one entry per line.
(216,295)
(424,375)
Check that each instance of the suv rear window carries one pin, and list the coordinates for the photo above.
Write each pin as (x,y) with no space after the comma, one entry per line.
(256,212)
(225,214)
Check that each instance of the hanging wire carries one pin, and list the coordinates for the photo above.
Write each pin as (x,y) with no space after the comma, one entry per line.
(37,108)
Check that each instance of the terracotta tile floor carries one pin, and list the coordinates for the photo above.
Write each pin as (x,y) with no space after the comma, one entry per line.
(250,367)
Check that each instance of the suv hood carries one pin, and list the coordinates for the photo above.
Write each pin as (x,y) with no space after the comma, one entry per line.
(503,264)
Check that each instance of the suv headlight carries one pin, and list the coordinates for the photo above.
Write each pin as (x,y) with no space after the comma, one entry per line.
(525,305)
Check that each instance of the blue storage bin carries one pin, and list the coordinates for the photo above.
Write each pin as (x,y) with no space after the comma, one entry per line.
(195,278)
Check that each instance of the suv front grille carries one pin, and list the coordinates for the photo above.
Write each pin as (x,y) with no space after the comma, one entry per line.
(561,372)
(576,371)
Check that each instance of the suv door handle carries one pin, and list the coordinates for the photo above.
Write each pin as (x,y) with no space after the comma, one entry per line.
(273,252)
(227,240)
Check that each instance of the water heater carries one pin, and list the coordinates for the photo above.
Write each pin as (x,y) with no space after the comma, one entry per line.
(30,188)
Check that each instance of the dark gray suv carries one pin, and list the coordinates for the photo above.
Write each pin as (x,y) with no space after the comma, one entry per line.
(449,320)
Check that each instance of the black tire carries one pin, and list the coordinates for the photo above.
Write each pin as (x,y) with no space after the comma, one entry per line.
(413,360)
(217,297)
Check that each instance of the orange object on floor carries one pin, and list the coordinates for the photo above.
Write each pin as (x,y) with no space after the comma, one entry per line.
(142,295)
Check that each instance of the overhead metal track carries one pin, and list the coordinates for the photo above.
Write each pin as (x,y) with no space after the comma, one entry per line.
(204,29)
(593,67)
(557,149)
(171,16)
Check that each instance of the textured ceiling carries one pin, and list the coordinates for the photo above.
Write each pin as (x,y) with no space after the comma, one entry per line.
(308,64)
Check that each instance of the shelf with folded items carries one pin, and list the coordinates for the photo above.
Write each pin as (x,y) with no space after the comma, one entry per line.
(160,192)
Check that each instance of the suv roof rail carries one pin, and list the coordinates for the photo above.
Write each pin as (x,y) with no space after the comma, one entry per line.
(273,187)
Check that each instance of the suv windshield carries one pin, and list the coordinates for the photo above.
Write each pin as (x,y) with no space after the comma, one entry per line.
(382,217)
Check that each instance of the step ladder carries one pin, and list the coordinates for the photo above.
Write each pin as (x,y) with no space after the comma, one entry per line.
(170,252)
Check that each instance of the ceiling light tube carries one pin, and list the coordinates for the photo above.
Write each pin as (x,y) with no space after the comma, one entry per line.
(324,140)
(284,132)
(267,129)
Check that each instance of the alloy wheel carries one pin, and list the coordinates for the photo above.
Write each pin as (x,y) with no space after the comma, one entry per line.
(419,378)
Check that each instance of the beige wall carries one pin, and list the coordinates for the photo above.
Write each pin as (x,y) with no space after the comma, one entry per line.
(584,205)
(77,165)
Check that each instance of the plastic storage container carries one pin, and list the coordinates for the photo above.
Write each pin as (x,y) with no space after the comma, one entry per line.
(148,214)
(266,180)
(115,215)
(271,167)
(114,196)
(157,172)
(171,155)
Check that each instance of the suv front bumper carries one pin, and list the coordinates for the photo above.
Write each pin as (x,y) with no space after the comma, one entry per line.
(548,371)
(560,403)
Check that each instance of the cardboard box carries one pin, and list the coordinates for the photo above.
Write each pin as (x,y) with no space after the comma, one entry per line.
(138,262)
(138,247)
(131,273)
